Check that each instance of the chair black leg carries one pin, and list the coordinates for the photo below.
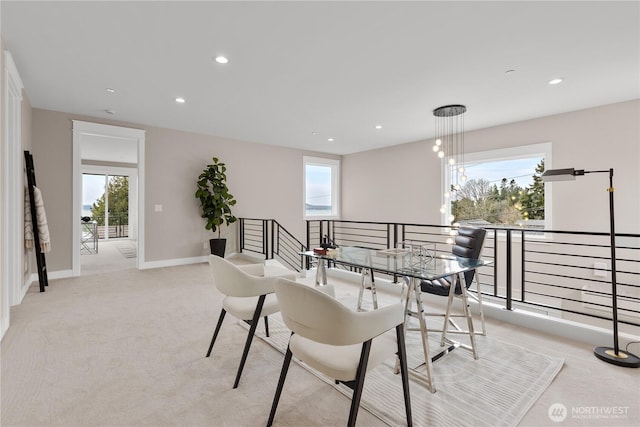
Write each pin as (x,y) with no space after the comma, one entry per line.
(402,357)
(247,345)
(359,383)
(283,376)
(215,333)
(266,326)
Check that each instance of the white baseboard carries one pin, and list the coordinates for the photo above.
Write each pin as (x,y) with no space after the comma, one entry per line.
(247,257)
(145,265)
(173,262)
(4,324)
(26,285)
(60,274)
(63,274)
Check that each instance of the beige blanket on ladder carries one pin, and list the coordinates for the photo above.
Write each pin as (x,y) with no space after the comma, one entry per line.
(43,228)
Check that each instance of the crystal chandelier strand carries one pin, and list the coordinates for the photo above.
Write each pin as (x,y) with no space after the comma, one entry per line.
(449,144)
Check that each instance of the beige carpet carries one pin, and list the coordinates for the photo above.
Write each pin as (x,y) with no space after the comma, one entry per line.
(108,258)
(126,348)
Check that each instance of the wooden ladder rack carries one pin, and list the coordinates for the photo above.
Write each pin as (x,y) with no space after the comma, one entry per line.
(42,264)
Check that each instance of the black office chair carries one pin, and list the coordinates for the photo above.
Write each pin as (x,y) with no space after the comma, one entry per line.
(468,244)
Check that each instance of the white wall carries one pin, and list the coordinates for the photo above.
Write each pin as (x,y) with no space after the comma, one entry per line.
(399,183)
(265,180)
(402,183)
(15,131)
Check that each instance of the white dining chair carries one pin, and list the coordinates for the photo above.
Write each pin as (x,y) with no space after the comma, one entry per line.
(247,297)
(341,343)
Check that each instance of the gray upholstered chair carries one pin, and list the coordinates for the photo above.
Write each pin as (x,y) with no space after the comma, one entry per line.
(339,342)
(248,296)
(468,244)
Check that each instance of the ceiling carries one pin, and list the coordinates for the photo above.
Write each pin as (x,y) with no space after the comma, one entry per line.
(300,73)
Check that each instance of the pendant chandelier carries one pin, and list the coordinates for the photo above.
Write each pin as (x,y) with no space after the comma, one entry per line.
(449,146)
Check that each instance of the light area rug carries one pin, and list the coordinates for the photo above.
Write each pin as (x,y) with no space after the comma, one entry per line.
(496,390)
(127,249)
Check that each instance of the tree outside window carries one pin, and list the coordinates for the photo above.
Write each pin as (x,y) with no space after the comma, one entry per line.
(117,200)
(514,199)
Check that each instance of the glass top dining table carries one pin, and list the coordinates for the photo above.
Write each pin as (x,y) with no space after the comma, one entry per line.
(400,262)
(414,265)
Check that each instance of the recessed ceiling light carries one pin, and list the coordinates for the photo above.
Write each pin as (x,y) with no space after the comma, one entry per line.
(378,126)
(111,90)
(556,81)
(313,133)
(509,72)
(221,60)
(330,139)
(109,111)
(180,100)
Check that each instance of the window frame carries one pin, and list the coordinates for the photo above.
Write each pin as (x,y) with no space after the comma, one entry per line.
(511,153)
(334,164)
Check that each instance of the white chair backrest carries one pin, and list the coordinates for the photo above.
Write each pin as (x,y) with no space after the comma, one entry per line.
(319,317)
(231,280)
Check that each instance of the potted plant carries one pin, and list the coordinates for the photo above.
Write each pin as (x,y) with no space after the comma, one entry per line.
(215,202)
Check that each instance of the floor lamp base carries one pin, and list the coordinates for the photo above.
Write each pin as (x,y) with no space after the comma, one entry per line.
(623,358)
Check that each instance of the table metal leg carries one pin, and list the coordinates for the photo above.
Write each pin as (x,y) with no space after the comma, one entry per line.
(472,334)
(413,291)
(374,292)
(406,295)
(321,272)
(363,285)
(415,285)
(456,281)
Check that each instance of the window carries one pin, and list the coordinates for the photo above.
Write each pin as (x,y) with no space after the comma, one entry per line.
(110,209)
(321,187)
(502,187)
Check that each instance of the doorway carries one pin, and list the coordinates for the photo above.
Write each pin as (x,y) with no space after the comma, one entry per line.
(108,198)
(108,223)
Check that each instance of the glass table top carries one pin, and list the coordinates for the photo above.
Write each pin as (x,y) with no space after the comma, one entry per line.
(403,262)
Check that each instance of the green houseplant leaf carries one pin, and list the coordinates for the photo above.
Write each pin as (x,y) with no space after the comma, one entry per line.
(214,196)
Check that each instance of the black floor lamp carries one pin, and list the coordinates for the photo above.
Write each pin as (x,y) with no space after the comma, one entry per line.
(611,355)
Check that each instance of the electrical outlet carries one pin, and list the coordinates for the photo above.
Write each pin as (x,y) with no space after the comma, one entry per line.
(600,269)
(205,245)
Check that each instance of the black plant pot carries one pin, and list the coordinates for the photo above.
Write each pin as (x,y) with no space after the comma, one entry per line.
(218,246)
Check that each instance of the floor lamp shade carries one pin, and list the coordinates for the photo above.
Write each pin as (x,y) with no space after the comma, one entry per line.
(613,354)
